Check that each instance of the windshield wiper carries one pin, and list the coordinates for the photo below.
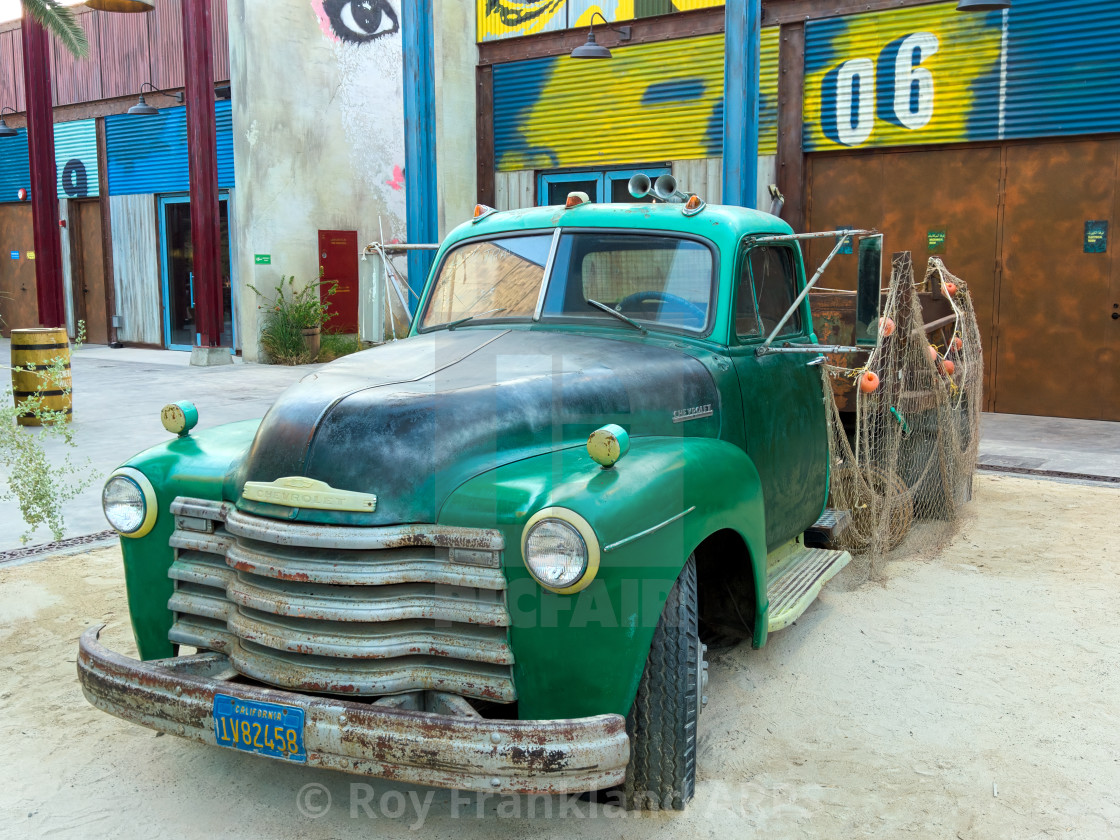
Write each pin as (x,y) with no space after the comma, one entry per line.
(453,324)
(618,315)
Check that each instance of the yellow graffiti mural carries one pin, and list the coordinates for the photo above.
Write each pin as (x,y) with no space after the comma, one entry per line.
(512,18)
(908,76)
(652,102)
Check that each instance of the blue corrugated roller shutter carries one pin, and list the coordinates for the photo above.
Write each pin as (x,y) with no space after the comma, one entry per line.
(75,155)
(14,169)
(149,154)
(1063,68)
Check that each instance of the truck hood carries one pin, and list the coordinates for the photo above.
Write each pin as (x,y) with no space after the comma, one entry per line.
(412,420)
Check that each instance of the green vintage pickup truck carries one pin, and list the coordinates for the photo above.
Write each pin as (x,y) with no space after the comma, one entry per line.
(486,557)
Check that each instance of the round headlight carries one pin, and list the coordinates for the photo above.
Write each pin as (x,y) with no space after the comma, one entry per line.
(560,550)
(128,500)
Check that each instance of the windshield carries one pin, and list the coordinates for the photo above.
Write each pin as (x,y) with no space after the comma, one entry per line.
(657,280)
(498,279)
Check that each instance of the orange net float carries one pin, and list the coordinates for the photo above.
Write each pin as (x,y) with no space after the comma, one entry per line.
(947,367)
(886,327)
(950,289)
(869,382)
(957,343)
(933,354)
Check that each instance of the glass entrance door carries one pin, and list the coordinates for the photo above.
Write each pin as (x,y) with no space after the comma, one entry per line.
(179,290)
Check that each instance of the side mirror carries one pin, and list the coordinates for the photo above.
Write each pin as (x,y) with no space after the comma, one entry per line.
(868,287)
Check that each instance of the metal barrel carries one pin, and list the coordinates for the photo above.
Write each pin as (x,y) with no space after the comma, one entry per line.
(33,353)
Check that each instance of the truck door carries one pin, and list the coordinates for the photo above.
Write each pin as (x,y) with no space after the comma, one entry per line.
(783,404)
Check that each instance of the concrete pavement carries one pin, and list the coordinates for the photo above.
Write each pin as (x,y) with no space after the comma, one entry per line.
(118,395)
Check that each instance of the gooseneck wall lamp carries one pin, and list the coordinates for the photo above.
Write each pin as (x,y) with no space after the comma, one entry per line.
(143,109)
(121,5)
(592,49)
(983,5)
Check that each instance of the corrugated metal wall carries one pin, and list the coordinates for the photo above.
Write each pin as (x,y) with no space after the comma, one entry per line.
(930,74)
(149,154)
(1063,68)
(136,268)
(499,19)
(125,51)
(15,172)
(75,154)
(652,102)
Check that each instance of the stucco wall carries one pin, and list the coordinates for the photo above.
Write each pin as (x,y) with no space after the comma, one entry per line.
(318,129)
(456,55)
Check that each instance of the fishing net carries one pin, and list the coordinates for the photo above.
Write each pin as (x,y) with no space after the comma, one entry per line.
(903,465)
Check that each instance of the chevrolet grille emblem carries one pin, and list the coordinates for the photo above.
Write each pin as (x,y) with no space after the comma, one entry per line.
(300,492)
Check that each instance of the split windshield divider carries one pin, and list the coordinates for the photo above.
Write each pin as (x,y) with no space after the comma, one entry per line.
(548,263)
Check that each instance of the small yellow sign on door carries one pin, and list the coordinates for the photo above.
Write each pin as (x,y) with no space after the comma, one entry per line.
(31,255)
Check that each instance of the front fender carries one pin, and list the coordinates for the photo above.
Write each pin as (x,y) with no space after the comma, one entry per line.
(584,653)
(197,465)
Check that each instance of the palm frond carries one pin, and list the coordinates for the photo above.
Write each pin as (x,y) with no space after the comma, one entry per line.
(60,22)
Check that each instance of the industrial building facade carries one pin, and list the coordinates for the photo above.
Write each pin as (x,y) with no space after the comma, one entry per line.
(989,139)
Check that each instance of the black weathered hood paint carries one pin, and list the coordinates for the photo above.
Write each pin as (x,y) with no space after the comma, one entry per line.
(412,420)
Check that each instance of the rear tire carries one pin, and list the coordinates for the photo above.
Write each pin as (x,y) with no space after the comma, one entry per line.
(662,722)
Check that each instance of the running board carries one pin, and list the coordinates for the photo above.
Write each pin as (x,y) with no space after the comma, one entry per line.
(795,583)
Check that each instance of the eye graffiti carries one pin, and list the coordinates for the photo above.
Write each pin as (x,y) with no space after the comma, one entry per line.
(361,21)
(516,13)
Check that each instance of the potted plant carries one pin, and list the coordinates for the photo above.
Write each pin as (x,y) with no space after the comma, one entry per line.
(294,318)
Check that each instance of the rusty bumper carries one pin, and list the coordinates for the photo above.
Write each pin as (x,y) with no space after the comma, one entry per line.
(449,751)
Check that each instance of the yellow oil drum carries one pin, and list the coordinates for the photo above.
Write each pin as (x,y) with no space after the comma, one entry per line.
(33,352)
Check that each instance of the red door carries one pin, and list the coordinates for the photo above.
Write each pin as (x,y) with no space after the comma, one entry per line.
(338,262)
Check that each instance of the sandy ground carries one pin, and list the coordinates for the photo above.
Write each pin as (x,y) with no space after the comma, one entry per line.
(974,695)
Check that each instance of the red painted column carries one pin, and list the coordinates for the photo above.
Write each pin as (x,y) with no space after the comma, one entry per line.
(202,147)
(44,178)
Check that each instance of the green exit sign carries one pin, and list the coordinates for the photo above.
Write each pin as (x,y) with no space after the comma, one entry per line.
(262,259)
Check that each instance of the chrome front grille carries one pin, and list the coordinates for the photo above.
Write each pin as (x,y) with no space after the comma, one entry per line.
(343,610)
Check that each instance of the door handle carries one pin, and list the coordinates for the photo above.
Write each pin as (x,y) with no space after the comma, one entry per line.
(1116,316)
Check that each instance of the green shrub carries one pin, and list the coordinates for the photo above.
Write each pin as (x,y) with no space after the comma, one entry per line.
(288,313)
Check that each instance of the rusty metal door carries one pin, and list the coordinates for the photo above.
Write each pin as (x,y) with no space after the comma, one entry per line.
(1058,351)
(942,202)
(89,270)
(18,305)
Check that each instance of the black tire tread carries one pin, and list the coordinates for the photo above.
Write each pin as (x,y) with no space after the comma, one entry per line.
(661,774)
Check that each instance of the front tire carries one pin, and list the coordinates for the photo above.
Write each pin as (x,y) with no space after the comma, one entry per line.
(662,721)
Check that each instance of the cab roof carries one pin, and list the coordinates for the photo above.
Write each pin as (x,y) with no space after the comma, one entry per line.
(724,224)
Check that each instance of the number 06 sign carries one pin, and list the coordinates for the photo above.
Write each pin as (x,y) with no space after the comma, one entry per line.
(885,79)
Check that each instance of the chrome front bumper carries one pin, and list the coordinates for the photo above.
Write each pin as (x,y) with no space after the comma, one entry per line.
(449,751)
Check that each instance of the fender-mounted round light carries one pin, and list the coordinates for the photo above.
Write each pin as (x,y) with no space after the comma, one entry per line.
(607,445)
(560,550)
(179,418)
(129,502)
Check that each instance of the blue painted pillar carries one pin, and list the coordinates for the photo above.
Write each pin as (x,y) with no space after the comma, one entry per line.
(419,139)
(742,48)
